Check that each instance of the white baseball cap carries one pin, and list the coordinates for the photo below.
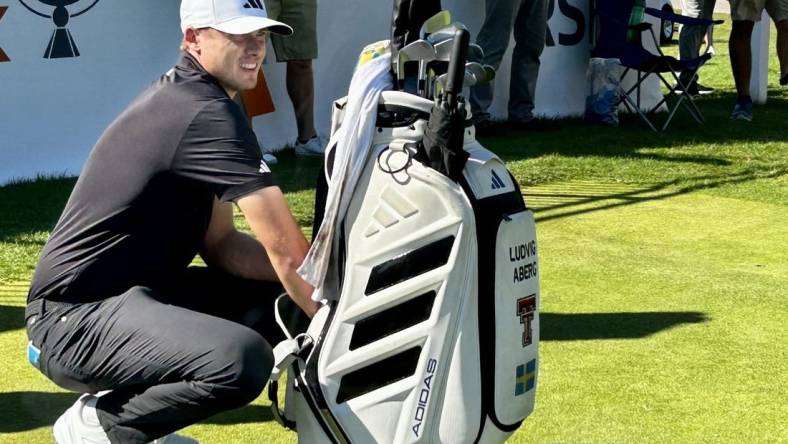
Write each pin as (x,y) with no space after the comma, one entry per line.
(230,16)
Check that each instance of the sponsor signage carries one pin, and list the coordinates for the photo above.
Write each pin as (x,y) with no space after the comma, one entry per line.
(61,43)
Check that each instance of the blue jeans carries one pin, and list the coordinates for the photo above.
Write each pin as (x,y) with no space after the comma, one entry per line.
(528,20)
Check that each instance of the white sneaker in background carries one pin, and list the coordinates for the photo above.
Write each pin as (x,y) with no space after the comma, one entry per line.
(270,159)
(79,424)
(312,147)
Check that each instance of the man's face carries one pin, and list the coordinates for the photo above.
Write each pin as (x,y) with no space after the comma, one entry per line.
(233,59)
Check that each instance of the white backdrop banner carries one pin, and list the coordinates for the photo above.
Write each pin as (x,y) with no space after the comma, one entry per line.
(54,105)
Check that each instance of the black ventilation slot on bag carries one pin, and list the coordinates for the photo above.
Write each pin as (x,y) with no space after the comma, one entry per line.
(379,374)
(392,320)
(409,265)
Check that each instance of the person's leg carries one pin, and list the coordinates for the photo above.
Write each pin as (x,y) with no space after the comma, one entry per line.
(298,50)
(691,37)
(741,56)
(782,50)
(778,11)
(167,366)
(530,31)
(494,38)
(301,89)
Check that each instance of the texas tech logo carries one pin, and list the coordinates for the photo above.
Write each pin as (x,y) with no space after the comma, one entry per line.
(526,307)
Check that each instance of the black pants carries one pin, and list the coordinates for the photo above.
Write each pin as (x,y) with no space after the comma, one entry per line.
(172,355)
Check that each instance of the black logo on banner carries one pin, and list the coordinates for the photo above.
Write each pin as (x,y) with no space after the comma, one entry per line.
(3,56)
(61,44)
(525,311)
(574,14)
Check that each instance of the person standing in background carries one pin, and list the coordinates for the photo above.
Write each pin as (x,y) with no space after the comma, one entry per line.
(744,14)
(298,51)
(528,20)
(690,41)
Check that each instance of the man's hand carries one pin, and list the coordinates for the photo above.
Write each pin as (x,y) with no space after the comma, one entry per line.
(273,224)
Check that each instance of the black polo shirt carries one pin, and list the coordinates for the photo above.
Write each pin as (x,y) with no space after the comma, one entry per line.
(142,204)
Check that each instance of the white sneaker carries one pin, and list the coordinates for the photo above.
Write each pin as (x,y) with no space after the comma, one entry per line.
(172,438)
(312,147)
(79,424)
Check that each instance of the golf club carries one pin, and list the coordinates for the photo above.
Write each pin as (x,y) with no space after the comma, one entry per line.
(414,51)
(434,23)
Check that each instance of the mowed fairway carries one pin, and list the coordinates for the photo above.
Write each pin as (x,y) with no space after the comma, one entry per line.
(664,276)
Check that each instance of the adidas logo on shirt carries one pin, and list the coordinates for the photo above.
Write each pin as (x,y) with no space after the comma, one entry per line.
(254,4)
(263,167)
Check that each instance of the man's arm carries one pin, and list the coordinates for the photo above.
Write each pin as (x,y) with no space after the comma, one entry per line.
(275,227)
(233,251)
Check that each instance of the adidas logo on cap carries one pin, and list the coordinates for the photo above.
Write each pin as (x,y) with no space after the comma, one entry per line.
(254,4)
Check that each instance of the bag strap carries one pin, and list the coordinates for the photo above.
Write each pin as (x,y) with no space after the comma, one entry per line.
(285,353)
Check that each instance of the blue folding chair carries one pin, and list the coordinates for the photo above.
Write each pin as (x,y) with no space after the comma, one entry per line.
(612,26)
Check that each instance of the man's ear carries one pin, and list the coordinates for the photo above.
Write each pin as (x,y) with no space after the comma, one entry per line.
(190,40)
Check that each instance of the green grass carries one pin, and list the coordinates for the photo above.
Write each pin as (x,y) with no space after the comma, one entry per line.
(664,273)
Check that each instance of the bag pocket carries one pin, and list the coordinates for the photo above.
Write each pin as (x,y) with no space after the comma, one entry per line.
(516,317)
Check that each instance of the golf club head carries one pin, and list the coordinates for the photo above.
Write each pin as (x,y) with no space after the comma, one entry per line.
(469,79)
(490,73)
(440,83)
(477,71)
(445,33)
(420,50)
(475,53)
(434,23)
(443,50)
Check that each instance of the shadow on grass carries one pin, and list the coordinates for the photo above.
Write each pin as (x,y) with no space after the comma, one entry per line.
(11,318)
(596,326)
(576,138)
(573,199)
(32,206)
(24,411)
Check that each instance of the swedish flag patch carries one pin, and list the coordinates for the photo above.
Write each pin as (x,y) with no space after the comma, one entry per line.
(526,378)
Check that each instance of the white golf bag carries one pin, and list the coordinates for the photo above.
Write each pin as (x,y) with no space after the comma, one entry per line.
(432,332)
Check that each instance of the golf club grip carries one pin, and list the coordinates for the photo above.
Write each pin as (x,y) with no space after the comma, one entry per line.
(457,66)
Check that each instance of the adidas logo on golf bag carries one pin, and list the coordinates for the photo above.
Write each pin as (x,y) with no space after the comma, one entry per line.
(497,183)
(254,4)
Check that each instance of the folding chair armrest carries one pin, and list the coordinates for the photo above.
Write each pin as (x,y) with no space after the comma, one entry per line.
(683,19)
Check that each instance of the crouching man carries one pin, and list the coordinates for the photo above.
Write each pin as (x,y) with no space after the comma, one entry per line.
(114,306)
